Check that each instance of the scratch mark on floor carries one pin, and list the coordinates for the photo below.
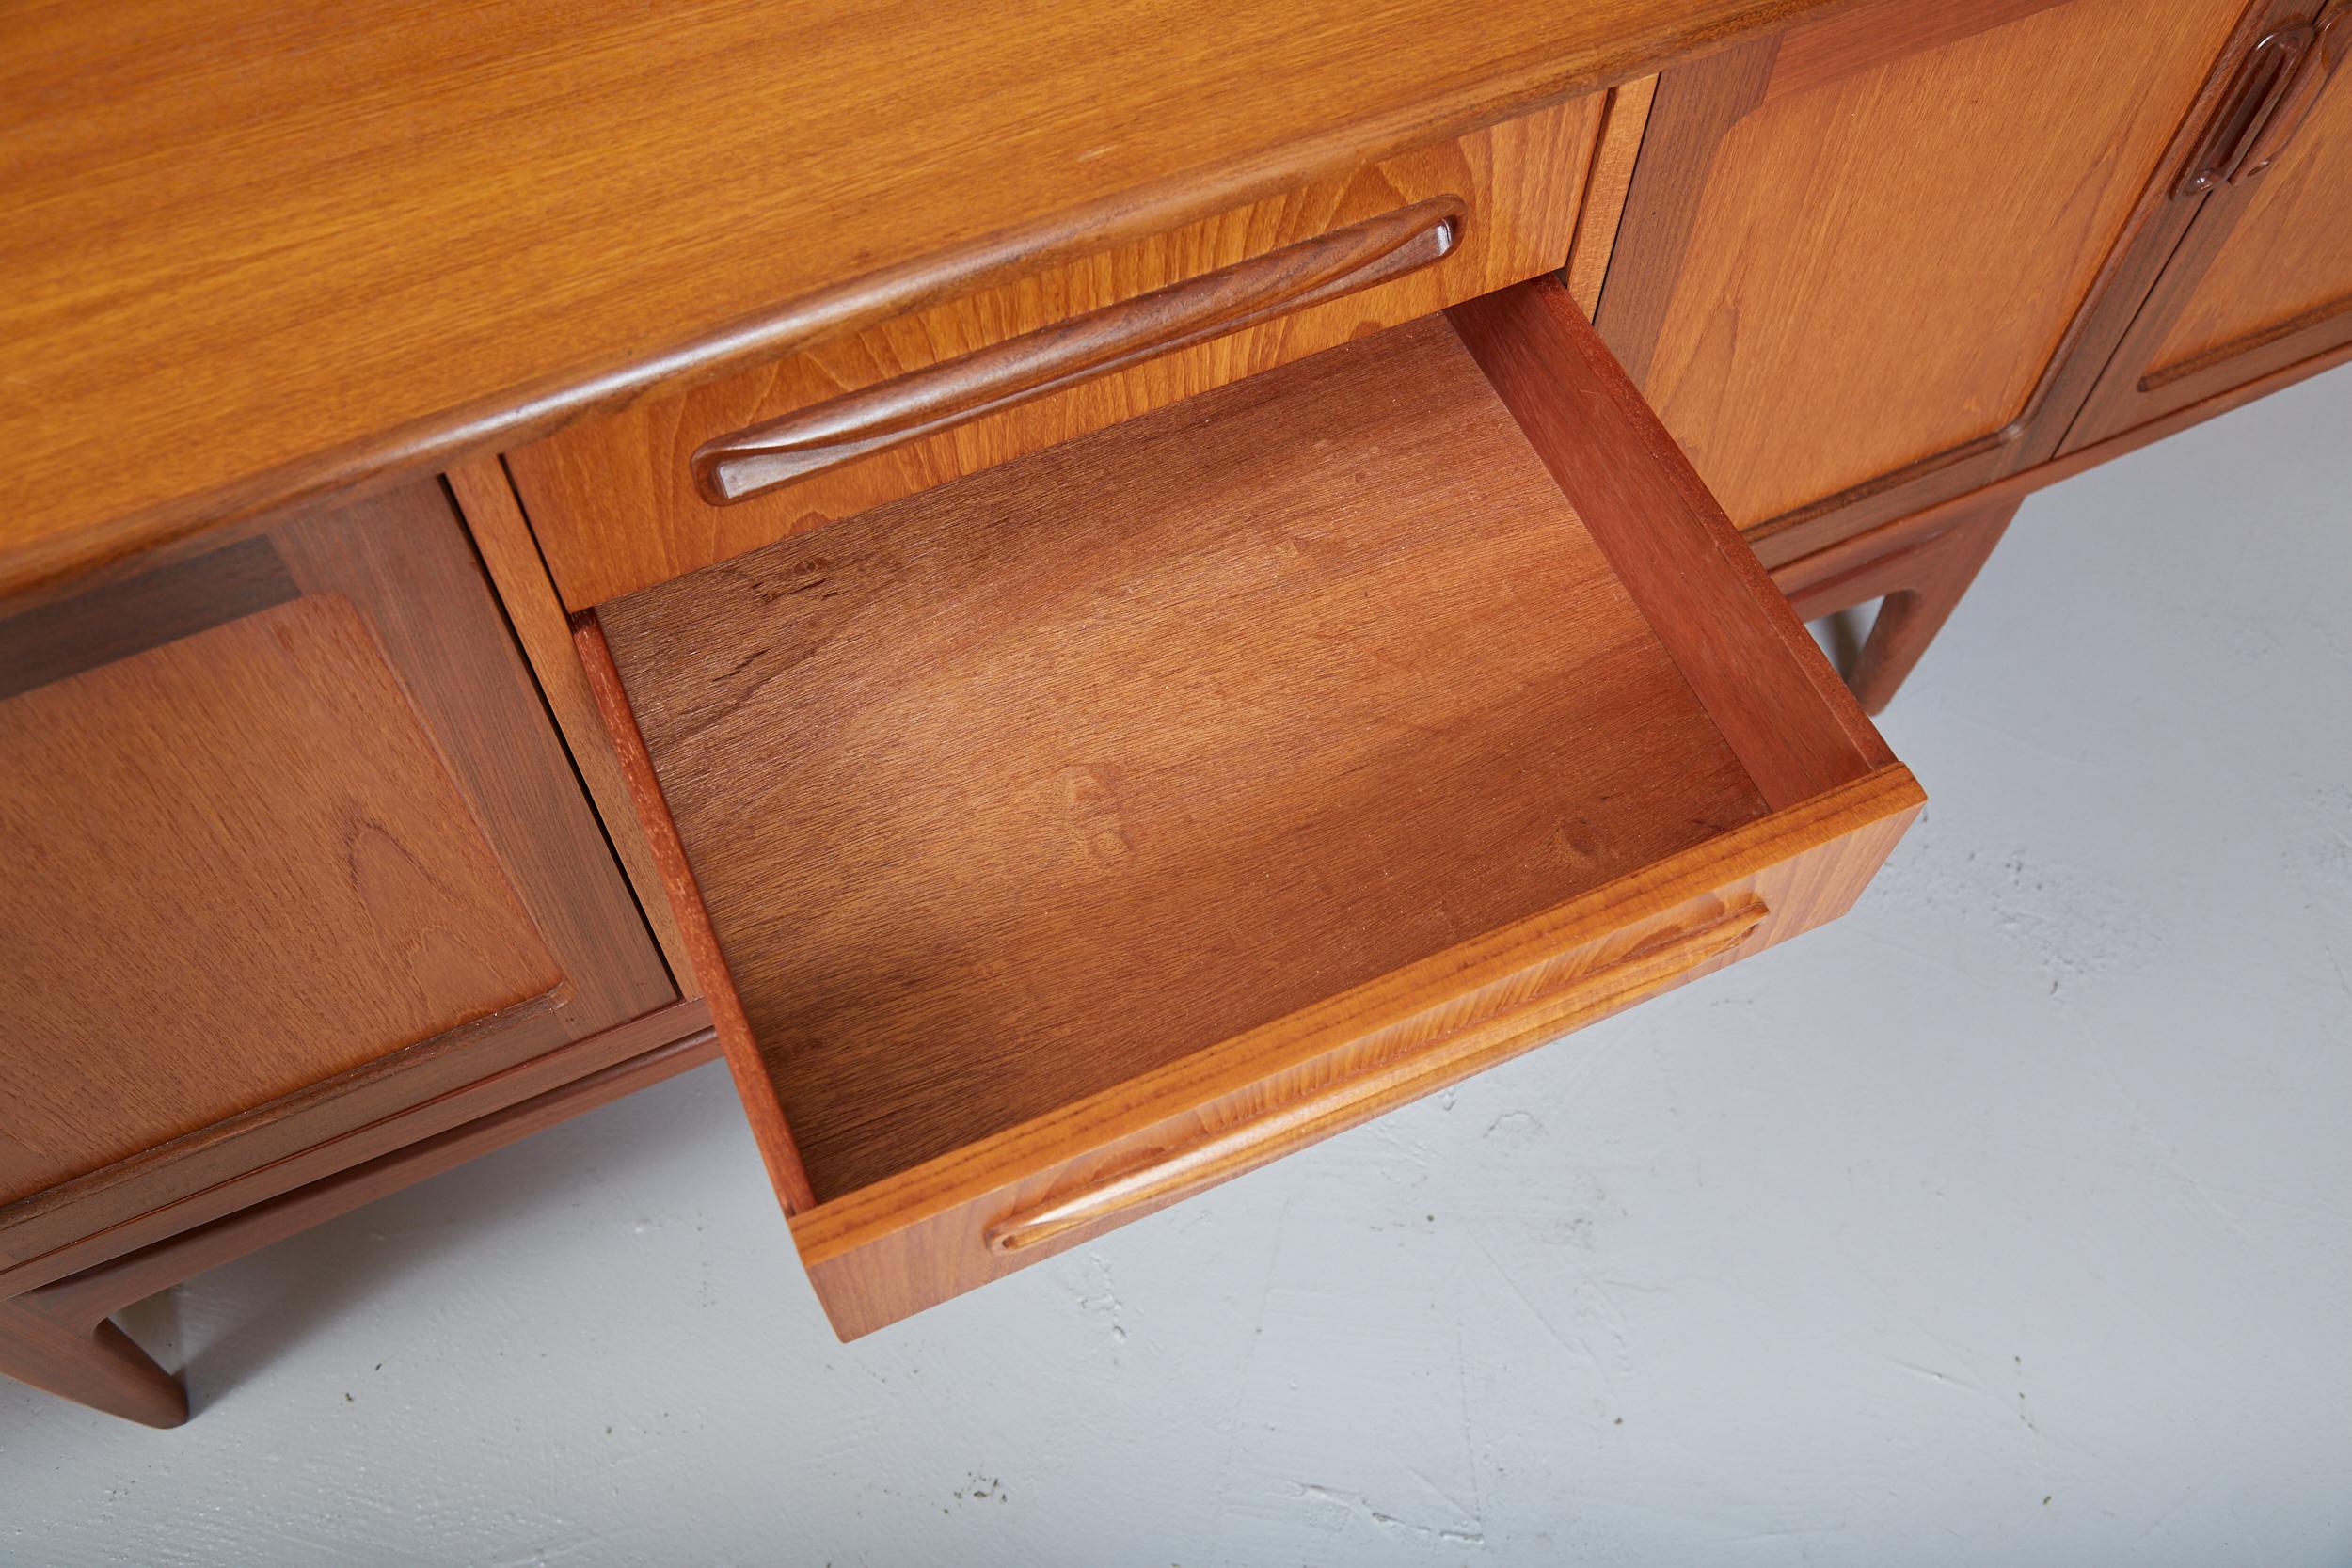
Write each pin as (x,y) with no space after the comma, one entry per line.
(1389,1523)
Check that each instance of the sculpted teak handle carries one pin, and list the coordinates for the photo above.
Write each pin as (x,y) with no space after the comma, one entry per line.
(2275,90)
(2329,43)
(825,435)
(1178,1172)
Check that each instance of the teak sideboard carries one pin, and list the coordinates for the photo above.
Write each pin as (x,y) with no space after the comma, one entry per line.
(1090,599)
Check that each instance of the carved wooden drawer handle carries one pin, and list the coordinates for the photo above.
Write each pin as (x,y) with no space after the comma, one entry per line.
(2275,90)
(2326,52)
(825,435)
(1179,1172)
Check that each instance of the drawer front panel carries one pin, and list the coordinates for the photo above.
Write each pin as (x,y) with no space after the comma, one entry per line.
(958,1223)
(1556,991)
(614,500)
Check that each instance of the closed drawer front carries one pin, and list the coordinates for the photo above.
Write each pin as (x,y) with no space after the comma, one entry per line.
(1073,836)
(651,493)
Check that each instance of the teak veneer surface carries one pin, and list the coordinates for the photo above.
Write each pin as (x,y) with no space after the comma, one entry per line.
(612,500)
(207,908)
(255,252)
(1007,793)
(2289,257)
(1900,212)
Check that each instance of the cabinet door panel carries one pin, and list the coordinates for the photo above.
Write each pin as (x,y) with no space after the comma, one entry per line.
(1854,259)
(2260,283)
(287,846)
(210,907)
(2289,256)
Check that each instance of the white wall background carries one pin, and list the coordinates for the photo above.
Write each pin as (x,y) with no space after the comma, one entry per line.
(2008,1221)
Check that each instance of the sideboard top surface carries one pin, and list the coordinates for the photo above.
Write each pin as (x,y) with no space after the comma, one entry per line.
(256,253)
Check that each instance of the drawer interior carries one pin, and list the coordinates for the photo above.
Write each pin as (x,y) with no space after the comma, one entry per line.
(1216,779)
(1005,795)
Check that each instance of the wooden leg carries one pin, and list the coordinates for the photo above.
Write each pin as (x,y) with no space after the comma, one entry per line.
(60,1335)
(1919,580)
(92,1363)
(1909,618)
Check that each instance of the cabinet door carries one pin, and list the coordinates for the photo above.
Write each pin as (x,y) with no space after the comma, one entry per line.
(289,847)
(1857,257)
(2261,282)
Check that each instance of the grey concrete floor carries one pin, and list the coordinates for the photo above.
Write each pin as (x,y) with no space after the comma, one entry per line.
(2008,1221)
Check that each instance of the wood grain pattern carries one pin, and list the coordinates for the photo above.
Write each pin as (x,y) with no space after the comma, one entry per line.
(777,1148)
(402,559)
(1760,677)
(1799,575)
(442,231)
(1070,855)
(1613,154)
(614,502)
(1691,109)
(2247,283)
(208,908)
(495,522)
(401,554)
(1010,791)
(913,1240)
(1906,226)
(1864,37)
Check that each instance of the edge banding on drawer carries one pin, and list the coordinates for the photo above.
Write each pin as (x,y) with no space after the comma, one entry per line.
(893,1249)
(1084,832)
(1166,1175)
(776,1147)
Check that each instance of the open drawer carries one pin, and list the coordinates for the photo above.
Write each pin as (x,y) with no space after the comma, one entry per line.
(1064,840)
